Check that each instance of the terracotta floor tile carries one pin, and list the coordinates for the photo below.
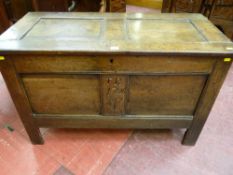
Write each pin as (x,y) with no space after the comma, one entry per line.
(85,160)
(63,144)
(48,168)
(20,155)
(98,151)
(5,167)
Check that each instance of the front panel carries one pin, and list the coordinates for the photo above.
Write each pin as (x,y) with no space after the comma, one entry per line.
(164,95)
(113,86)
(63,94)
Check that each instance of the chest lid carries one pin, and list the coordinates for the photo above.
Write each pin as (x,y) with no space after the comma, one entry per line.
(118,32)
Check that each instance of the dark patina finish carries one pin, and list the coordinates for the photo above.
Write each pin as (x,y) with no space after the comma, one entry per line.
(91,70)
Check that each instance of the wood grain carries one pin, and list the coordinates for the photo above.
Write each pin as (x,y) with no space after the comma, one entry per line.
(20,100)
(64,94)
(206,102)
(91,32)
(114,90)
(113,64)
(164,95)
(92,70)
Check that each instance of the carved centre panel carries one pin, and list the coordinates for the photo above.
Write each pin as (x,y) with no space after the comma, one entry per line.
(113,94)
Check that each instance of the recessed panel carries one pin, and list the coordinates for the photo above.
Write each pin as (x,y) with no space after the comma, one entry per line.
(53,28)
(113,94)
(158,30)
(64,94)
(164,95)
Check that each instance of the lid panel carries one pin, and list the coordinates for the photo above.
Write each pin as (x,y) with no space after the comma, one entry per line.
(114,32)
(157,30)
(66,28)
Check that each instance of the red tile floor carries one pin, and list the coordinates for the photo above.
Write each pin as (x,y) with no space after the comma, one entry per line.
(118,152)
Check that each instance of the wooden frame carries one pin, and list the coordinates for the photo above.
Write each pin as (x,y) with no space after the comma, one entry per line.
(21,102)
(206,102)
(125,88)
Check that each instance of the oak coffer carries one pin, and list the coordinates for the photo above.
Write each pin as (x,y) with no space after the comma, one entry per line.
(92,70)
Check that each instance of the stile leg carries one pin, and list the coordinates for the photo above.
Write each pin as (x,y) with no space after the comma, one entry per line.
(208,96)
(20,100)
(34,135)
(191,136)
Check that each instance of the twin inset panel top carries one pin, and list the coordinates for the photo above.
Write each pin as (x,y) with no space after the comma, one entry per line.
(95,32)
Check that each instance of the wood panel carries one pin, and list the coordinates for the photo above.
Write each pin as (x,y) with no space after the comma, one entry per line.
(95,33)
(164,95)
(113,94)
(120,64)
(68,94)
(166,30)
(51,29)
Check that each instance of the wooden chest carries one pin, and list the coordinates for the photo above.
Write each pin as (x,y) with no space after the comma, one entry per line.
(91,70)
